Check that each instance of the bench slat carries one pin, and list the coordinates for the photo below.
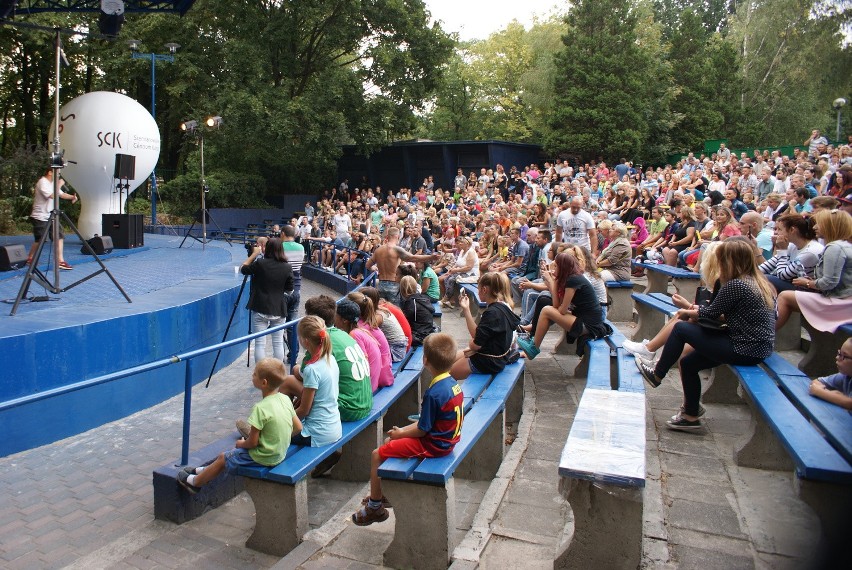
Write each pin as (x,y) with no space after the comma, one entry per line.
(671,271)
(473,387)
(439,470)
(629,377)
(396,468)
(619,284)
(415,361)
(834,422)
(813,455)
(607,439)
(599,365)
(654,303)
(504,382)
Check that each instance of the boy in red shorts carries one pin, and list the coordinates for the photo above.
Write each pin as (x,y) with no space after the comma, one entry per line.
(433,435)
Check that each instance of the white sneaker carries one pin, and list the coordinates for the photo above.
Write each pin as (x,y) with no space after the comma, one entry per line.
(638,349)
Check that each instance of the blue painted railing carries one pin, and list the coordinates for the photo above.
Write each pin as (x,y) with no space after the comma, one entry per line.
(188,358)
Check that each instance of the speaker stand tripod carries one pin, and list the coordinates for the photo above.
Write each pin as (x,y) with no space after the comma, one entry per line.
(204,215)
(35,274)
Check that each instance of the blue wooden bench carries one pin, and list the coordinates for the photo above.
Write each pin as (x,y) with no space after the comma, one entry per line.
(436,318)
(602,467)
(422,491)
(790,429)
(620,308)
(280,493)
(476,304)
(686,282)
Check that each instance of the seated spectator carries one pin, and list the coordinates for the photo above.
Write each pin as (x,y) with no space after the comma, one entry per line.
(798,252)
(417,309)
(490,347)
(615,258)
(826,301)
(837,388)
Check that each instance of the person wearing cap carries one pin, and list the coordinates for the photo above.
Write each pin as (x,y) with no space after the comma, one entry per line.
(346,317)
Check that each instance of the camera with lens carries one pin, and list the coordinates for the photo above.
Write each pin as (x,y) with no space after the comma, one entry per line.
(250,248)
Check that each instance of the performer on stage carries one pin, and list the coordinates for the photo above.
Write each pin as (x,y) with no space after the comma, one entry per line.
(42,206)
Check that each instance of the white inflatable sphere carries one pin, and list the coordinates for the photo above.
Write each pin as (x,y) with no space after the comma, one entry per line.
(94,128)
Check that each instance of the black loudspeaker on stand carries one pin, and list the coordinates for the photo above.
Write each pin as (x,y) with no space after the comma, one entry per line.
(126,230)
(12,257)
(125,167)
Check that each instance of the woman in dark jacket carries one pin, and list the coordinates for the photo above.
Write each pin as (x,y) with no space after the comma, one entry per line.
(418,310)
(271,288)
(490,347)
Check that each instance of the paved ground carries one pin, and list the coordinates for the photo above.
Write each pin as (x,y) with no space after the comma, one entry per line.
(86,502)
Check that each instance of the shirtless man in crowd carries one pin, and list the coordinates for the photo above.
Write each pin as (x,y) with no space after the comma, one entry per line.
(387,259)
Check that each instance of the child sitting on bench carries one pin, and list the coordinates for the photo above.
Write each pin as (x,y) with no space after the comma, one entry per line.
(273,421)
(837,388)
(434,435)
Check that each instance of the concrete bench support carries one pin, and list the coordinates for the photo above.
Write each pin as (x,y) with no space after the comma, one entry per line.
(429,542)
(832,503)
(650,322)
(759,448)
(483,461)
(819,360)
(723,388)
(607,527)
(354,465)
(790,335)
(657,282)
(281,515)
(621,306)
(686,288)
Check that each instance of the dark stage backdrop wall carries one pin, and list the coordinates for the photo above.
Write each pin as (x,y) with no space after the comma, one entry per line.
(408,163)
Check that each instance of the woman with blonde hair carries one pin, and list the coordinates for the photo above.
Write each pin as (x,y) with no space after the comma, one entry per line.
(746,299)
(826,302)
(490,347)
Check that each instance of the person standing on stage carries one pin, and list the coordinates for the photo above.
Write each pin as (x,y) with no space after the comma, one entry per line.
(42,206)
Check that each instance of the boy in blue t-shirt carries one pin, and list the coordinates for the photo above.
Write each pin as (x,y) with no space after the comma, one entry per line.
(837,388)
(433,435)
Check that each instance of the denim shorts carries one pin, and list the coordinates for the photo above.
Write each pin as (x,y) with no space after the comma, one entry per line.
(389,291)
(238,457)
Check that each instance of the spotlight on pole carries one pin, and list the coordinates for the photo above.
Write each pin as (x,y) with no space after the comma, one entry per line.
(215,121)
(189,126)
(172,47)
(112,17)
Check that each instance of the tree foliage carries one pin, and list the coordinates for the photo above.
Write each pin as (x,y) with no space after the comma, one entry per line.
(293,81)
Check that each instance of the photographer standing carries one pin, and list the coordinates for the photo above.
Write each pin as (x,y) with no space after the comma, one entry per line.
(271,289)
(42,206)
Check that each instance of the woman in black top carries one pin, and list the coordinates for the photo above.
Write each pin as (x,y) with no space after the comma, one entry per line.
(746,299)
(491,341)
(575,306)
(271,288)
(683,236)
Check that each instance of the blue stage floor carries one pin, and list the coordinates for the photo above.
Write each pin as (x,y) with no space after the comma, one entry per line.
(154,268)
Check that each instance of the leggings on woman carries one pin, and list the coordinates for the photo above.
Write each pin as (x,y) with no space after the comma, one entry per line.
(711,348)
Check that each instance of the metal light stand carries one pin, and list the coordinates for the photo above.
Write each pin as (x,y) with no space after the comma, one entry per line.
(56,215)
(204,213)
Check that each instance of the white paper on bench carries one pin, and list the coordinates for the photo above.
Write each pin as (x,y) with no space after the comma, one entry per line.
(607,439)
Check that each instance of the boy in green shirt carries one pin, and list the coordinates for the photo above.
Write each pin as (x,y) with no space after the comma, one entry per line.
(273,420)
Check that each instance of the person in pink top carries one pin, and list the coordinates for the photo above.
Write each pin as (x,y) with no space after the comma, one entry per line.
(346,318)
(368,323)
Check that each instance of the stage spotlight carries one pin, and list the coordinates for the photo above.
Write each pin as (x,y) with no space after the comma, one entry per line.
(7,7)
(189,126)
(112,17)
(215,121)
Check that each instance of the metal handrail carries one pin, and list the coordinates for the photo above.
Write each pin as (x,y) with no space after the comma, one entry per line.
(186,357)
